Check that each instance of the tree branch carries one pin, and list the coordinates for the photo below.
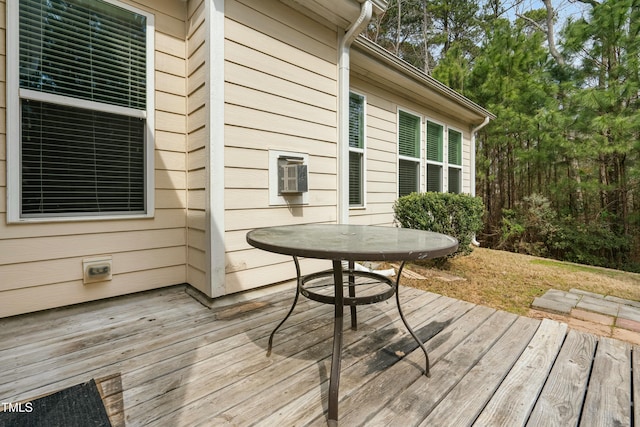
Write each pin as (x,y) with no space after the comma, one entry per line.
(593,3)
(550,38)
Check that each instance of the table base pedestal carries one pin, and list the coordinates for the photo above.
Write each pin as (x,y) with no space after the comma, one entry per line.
(311,286)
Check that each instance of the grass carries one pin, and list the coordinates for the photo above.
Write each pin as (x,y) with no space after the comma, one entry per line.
(510,282)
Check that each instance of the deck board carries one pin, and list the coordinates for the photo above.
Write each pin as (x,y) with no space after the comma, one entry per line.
(169,360)
(413,404)
(460,407)
(363,348)
(609,394)
(512,403)
(561,400)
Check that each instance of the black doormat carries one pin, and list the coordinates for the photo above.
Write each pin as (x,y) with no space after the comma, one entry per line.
(77,406)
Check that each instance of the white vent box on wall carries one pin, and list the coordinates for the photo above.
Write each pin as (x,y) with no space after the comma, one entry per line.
(96,269)
(292,176)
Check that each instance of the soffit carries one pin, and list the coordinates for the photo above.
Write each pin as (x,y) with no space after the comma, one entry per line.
(383,69)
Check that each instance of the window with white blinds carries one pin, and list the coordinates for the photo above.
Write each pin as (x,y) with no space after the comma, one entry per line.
(454,161)
(409,153)
(356,150)
(84,67)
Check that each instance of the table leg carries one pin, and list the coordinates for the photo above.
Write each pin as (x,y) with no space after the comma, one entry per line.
(413,334)
(334,380)
(295,301)
(352,294)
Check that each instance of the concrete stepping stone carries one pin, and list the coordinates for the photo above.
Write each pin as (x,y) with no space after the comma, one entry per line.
(592,307)
(556,301)
(599,305)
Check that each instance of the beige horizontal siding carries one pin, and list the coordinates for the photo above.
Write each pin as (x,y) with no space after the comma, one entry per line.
(281,94)
(197,157)
(59,294)
(381,156)
(260,100)
(253,138)
(236,240)
(279,22)
(170,141)
(249,198)
(170,179)
(196,278)
(61,270)
(41,262)
(195,220)
(53,247)
(242,116)
(243,280)
(385,219)
(381,148)
(281,35)
(294,90)
(247,219)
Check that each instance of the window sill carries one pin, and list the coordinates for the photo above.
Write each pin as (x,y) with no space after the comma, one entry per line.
(79,218)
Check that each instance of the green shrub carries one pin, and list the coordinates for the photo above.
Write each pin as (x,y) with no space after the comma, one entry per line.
(592,244)
(534,228)
(529,227)
(458,215)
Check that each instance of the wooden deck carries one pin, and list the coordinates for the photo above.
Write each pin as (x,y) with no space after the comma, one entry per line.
(181,364)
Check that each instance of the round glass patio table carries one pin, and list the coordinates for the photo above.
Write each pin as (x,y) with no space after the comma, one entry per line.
(350,243)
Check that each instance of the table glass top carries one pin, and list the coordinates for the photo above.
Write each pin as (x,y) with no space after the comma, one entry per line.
(352,242)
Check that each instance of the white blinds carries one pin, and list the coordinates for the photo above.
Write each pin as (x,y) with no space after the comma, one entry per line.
(434,177)
(85,49)
(356,121)
(356,196)
(408,177)
(78,161)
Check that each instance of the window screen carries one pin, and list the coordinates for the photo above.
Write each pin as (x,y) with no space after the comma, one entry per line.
(81,161)
(89,158)
(86,49)
(356,150)
(455,180)
(408,177)
(434,142)
(409,152)
(455,148)
(434,177)
(408,135)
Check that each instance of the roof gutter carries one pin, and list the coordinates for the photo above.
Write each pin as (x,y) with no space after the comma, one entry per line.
(396,63)
(366,11)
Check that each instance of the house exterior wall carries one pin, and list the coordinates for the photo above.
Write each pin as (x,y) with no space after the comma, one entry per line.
(198,136)
(235,81)
(41,262)
(280,94)
(381,150)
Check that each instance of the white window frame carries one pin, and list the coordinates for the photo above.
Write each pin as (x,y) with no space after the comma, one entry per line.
(15,94)
(444,153)
(450,165)
(362,151)
(421,146)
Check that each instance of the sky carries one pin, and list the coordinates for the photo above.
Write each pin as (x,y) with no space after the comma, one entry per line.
(564,8)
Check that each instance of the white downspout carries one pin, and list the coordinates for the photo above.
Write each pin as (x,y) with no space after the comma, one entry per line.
(473,162)
(366,11)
